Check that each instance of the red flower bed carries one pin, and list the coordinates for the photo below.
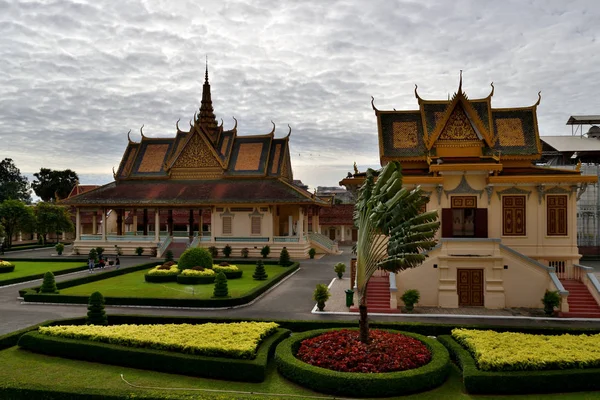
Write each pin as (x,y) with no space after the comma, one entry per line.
(343,351)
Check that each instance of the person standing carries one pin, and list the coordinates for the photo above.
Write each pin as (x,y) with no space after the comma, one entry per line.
(117,263)
(91,264)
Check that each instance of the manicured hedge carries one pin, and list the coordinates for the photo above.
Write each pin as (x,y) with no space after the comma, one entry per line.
(356,384)
(6,269)
(31,294)
(157,360)
(515,382)
(195,280)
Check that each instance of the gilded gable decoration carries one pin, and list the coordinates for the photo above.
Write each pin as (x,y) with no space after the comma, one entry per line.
(196,154)
(463,188)
(513,190)
(510,131)
(458,127)
(405,134)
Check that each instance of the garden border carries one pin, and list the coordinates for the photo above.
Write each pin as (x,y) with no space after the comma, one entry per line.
(158,360)
(518,382)
(34,277)
(357,384)
(31,295)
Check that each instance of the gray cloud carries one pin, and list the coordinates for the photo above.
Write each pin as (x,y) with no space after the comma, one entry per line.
(76,76)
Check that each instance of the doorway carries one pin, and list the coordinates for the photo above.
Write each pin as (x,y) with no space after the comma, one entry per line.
(470,287)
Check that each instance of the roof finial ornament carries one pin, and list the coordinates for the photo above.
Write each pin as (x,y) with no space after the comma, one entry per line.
(128,137)
(220,126)
(142,131)
(235,127)
(177,125)
(191,125)
(537,103)
(373,104)
(114,173)
(492,92)
(355,168)
(460,83)
(272,133)
(206,71)
(289,133)
(417,94)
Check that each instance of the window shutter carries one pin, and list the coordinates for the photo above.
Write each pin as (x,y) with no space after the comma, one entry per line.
(481,223)
(556,215)
(227,225)
(447,223)
(256,226)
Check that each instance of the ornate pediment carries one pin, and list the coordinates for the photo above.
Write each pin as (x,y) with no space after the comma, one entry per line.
(458,127)
(196,154)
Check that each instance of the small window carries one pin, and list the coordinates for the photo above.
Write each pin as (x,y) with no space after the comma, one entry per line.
(556,215)
(256,226)
(227,225)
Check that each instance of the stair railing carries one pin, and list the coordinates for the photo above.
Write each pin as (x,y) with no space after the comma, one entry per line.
(589,279)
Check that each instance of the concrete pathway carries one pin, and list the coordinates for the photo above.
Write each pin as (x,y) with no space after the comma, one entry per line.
(292,299)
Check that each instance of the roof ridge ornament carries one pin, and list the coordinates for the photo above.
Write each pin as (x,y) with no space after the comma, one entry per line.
(492,92)
(206,71)
(460,83)
(416,93)
(537,103)
(235,126)
(177,125)
(373,104)
(289,133)
(142,131)
(129,138)
(272,133)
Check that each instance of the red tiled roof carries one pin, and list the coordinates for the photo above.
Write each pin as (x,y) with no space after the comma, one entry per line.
(193,193)
(339,214)
(78,189)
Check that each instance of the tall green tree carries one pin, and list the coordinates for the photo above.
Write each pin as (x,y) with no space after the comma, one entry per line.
(393,233)
(15,216)
(48,183)
(13,185)
(52,218)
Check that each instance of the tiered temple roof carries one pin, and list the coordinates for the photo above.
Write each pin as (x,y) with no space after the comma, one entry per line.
(204,165)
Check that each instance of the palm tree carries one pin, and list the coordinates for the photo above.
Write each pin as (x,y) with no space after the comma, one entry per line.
(393,233)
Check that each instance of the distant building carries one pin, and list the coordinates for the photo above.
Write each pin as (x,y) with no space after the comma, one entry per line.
(341,195)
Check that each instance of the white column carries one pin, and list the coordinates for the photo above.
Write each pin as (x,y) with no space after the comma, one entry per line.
(290,226)
(104,224)
(213,226)
(94,222)
(343,229)
(300,228)
(135,222)
(156,225)
(78,225)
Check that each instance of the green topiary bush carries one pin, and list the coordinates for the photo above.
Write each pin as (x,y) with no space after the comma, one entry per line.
(312,252)
(139,251)
(227,250)
(221,289)
(195,257)
(321,295)
(168,255)
(551,300)
(49,284)
(59,248)
(93,254)
(410,298)
(99,251)
(259,272)
(284,257)
(6,266)
(265,251)
(214,252)
(96,314)
(339,269)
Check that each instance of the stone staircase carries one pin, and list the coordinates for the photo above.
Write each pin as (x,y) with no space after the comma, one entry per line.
(581,303)
(177,248)
(378,296)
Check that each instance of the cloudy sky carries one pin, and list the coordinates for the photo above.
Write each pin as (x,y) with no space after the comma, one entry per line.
(75,76)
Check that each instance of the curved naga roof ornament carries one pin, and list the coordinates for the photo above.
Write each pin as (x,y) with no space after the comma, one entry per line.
(272,133)
(142,131)
(492,92)
(129,137)
(235,126)
(114,173)
(221,126)
(373,104)
(537,103)
(177,126)
(416,93)
(289,133)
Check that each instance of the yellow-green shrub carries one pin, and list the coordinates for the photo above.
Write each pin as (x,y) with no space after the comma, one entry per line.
(510,351)
(173,270)
(233,340)
(193,272)
(230,268)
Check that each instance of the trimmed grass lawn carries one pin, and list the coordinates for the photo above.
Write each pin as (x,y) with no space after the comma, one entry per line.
(21,368)
(26,268)
(134,285)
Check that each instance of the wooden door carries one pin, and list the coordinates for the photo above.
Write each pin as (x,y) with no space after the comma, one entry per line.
(332,233)
(481,223)
(354,235)
(447,223)
(470,287)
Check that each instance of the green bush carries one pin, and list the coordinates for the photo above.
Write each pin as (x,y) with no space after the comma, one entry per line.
(230,273)
(312,252)
(259,272)
(356,384)
(96,314)
(245,252)
(227,250)
(214,252)
(284,257)
(6,267)
(99,251)
(139,251)
(93,254)
(339,269)
(168,255)
(59,248)
(157,360)
(410,298)
(221,289)
(195,257)
(551,300)
(321,295)
(264,252)
(519,382)
(49,284)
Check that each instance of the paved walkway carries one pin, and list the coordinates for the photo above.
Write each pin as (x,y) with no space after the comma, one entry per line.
(292,299)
